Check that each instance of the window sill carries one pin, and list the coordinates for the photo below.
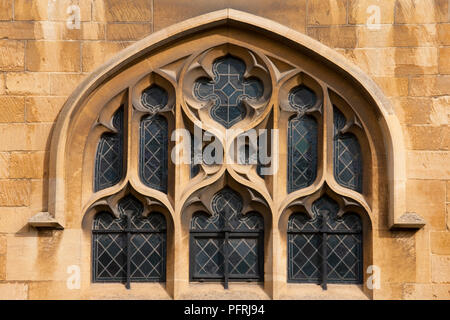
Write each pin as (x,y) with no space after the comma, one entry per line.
(216,291)
(305,291)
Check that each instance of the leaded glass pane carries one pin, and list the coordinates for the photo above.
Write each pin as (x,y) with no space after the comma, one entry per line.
(154,98)
(325,243)
(153,161)
(243,257)
(348,165)
(109,156)
(209,260)
(227,235)
(302,144)
(227,90)
(302,140)
(142,238)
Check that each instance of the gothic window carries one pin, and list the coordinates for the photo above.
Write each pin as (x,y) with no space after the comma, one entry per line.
(130,248)
(347,155)
(227,90)
(227,246)
(325,248)
(109,158)
(302,140)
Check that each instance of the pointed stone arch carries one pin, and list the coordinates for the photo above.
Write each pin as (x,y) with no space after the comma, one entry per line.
(163,58)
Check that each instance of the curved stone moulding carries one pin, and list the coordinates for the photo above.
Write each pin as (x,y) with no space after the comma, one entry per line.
(392,134)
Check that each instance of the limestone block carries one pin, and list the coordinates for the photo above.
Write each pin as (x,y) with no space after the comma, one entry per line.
(291,13)
(6,9)
(327,12)
(440,114)
(335,37)
(43,109)
(4,164)
(361,10)
(421,11)
(444,60)
(52,11)
(2,257)
(20,30)
(448,191)
(26,165)
(12,109)
(14,193)
(97,53)
(54,290)
(397,36)
(59,56)
(43,256)
(27,83)
(54,30)
(395,61)
(393,87)
(127,31)
(440,269)
(63,84)
(13,291)
(427,198)
(11,55)
(39,195)
(14,219)
(118,10)
(440,243)
(417,291)
(441,291)
(428,165)
(425,137)
(443,31)
(429,86)
(394,251)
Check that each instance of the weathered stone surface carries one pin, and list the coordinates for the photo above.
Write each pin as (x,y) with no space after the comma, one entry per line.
(28,165)
(444,60)
(393,87)
(336,37)
(327,12)
(417,291)
(45,256)
(63,84)
(4,165)
(13,291)
(14,193)
(440,243)
(6,9)
(428,165)
(291,13)
(444,33)
(62,56)
(14,220)
(25,137)
(426,138)
(11,55)
(127,31)
(397,36)
(49,10)
(43,109)
(97,53)
(2,257)
(27,83)
(361,11)
(440,269)
(421,11)
(116,10)
(427,198)
(12,109)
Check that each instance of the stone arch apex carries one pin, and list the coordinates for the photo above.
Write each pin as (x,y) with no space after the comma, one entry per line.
(388,122)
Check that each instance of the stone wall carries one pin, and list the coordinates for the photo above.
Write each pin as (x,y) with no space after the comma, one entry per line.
(42,60)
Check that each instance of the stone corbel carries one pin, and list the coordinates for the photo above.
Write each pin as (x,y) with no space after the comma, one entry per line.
(44,220)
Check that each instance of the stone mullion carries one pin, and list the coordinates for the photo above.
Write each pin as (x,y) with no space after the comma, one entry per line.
(327,137)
